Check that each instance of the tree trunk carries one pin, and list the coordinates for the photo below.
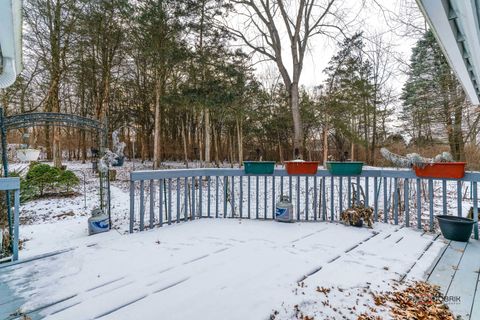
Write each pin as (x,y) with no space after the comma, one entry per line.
(325,145)
(297,121)
(156,134)
(240,141)
(185,150)
(207,136)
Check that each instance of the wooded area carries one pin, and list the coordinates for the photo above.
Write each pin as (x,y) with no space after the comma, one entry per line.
(180,79)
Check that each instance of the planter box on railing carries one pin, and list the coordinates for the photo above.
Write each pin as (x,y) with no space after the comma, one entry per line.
(338,168)
(442,170)
(301,167)
(259,167)
(27,155)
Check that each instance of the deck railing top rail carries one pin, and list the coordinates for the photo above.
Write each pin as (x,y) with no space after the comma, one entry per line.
(220,172)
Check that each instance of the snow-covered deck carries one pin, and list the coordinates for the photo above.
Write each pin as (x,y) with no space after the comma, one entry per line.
(216,269)
(457,273)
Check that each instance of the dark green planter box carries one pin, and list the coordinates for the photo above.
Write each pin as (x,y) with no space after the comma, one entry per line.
(259,167)
(455,228)
(338,168)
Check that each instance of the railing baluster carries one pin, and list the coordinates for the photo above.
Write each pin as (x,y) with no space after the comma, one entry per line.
(132,204)
(315,195)
(444,196)
(185,198)
(340,194)
(306,198)
(298,198)
(200,197)
(265,205)
(324,199)
(349,192)
(375,199)
(385,201)
(178,200)
(357,198)
(430,197)
(233,196)
(160,199)
(194,211)
(281,186)
(475,210)
(152,200)
(169,201)
(241,197)
(256,196)
(406,201)
(367,192)
(419,204)
(248,197)
(209,196)
(290,194)
(225,196)
(273,197)
(142,205)
(216,196)
(395,201)
(332,200)
(459,198)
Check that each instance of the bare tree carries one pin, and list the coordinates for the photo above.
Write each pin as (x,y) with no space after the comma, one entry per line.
(265,22)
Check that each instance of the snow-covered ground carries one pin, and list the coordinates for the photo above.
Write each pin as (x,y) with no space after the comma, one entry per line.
(208,268)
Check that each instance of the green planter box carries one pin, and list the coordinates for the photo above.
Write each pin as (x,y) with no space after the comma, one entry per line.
(259,167)
(338,168)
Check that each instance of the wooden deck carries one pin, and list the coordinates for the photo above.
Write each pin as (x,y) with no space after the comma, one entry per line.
(457,274)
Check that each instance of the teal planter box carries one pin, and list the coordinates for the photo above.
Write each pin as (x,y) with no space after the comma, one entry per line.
(338,168)
(259,167)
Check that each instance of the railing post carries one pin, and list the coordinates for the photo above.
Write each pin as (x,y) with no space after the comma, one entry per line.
(132,204)
(16,223)
(406,201)
(340,195)
(265,204)
(385,200)
(430,198)
(315,200)
(298,198)
(142,205)
(332,200)
(395,201)
(152,200)
(475,210)
(419,204)
(375,199)
(459,198)
(178,200)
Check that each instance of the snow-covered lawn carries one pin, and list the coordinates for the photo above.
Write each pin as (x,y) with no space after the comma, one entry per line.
(220,269)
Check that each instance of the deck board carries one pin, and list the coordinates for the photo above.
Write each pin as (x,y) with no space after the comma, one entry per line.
(465,281)
(445,270)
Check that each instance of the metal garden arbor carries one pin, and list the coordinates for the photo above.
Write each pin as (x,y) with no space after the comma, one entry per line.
(26,120)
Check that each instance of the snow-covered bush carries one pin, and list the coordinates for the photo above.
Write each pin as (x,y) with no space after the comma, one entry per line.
(42,179)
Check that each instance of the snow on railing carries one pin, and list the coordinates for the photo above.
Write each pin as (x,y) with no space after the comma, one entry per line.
(397,196)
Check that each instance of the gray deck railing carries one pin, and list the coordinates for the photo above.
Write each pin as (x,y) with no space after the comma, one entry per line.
(397,196)
(12,185)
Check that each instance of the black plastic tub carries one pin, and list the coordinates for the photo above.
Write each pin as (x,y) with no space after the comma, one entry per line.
(455,228)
